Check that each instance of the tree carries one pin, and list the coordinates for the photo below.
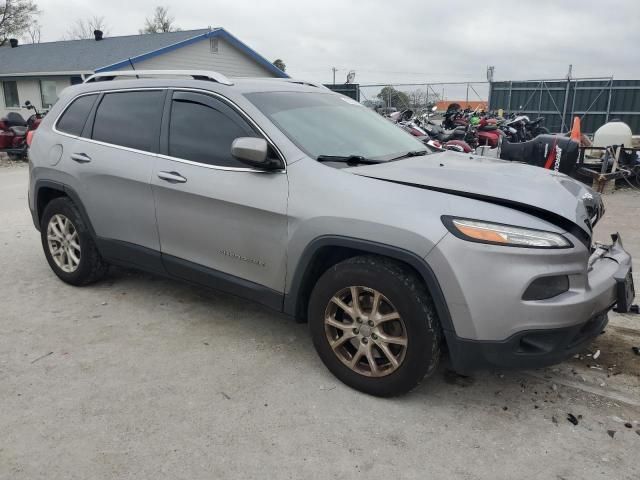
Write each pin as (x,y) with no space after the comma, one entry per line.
(15,18)
(391,97)
(83,29)
(279,64)
(33,33)
(161,22)
(420,99)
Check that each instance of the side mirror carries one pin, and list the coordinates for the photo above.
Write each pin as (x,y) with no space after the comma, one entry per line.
(254,152)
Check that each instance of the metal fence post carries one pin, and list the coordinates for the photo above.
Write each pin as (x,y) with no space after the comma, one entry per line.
(609,100)
(564,108)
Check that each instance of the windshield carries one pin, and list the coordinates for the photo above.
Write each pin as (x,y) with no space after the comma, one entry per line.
(323,124)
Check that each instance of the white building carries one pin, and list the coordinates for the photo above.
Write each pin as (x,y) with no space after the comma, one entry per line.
(39,72)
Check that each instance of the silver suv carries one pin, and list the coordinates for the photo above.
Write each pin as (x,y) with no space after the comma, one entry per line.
(305,201)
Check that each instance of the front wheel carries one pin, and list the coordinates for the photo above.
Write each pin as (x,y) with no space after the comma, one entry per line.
(374,326)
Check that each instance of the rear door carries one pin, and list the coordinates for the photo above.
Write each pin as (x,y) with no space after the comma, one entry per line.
(112,162)
(219,221)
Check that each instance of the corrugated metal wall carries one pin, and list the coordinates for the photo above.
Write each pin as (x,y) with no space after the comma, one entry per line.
(596,101)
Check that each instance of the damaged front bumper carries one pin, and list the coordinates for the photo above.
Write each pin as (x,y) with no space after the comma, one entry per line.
(544,332)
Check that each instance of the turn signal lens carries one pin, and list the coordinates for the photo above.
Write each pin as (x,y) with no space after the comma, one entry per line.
(494,233)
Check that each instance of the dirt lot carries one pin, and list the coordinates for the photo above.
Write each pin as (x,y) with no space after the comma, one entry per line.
(143,377)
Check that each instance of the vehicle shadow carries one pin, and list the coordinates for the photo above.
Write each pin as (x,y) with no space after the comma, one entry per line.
(209,310)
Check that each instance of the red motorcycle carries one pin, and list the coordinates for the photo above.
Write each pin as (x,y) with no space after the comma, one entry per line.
(488,133)
(16,132)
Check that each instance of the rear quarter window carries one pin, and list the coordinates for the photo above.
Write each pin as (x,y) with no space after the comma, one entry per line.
(75,116)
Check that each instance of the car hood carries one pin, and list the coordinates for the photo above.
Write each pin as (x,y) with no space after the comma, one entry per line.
(544,193)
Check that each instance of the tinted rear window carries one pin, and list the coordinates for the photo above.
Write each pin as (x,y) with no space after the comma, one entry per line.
(75,116)
(130,119)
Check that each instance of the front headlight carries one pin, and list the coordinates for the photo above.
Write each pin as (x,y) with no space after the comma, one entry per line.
(498,234)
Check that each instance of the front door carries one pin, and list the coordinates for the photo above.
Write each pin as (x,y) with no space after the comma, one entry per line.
(220,222)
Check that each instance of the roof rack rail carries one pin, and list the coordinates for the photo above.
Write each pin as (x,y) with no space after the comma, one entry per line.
(195,74)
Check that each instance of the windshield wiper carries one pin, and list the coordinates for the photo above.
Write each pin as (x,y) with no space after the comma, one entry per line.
(414,153)
(351,159)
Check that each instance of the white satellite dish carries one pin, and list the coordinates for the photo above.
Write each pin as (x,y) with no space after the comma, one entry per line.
(351,76)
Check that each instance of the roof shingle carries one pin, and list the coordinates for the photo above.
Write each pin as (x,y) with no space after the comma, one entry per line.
(85,55)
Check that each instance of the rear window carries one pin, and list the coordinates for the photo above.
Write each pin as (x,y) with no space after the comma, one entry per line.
(76,114)
(130,119)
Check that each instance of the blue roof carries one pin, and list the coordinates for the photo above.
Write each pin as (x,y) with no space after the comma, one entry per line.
(89,55)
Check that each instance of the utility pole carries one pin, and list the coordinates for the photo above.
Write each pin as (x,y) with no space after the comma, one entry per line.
(334,69)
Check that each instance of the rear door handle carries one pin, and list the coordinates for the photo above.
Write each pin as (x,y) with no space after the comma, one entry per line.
(172,177)
(80,157)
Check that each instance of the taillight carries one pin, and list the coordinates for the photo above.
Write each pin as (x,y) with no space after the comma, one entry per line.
(30,136)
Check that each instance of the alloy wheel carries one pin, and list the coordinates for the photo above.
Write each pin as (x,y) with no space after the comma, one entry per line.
(365,331)
(63,243)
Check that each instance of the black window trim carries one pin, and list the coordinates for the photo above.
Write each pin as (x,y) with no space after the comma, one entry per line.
(164,135)
(88,128)
(67,106)
(165,113)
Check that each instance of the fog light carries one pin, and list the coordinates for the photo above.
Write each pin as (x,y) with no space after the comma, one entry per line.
(546,287)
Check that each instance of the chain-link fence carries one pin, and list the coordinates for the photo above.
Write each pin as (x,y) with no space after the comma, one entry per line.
(595,100)
(417,96)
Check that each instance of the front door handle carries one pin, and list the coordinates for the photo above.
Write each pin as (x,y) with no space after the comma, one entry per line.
(80,157)
(172,177)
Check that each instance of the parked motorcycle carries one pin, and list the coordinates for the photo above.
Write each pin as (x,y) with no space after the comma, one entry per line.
(461,138)
(14,130)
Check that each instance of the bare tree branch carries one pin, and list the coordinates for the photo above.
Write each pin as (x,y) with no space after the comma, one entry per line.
(34,32)
(161,22)
(15,18)
(83,29)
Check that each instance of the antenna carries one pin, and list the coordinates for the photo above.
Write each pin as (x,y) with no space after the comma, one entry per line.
(132,67)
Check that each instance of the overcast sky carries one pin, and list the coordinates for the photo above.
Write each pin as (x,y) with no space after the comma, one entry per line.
(402,40)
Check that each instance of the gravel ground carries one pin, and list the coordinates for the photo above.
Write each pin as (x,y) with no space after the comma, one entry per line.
(143,377)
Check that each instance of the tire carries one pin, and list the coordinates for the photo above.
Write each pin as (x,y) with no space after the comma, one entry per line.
(90,266)
(399,290)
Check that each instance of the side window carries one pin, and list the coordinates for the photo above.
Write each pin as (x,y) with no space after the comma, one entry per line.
(203,132)
(130,119)
(76,114)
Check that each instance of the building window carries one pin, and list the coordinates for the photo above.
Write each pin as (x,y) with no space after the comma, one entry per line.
(10,90)
(48,93)
(213,43)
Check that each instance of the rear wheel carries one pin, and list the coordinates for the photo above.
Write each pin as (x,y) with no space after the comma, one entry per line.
(374,326)
(68,245)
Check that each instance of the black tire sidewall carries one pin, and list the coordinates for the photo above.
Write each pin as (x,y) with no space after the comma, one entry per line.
(419,357)
(85,270)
